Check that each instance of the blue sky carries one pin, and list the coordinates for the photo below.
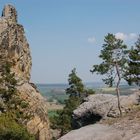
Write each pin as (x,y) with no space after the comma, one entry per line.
(64,34)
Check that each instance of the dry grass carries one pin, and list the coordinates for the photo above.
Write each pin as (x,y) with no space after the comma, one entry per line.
(129,121)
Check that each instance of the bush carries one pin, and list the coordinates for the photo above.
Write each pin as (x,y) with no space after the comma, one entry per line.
(24,104)
(62,119)
(90,91)
(11,130)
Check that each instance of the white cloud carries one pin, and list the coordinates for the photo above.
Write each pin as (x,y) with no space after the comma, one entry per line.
(123,36)
(133,36)
(92,40)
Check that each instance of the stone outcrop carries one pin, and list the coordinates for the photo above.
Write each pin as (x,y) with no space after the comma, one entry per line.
(13,45)
(38,123)
(126,127)
(14,48)
(100,132)
(94,132)
(100,106)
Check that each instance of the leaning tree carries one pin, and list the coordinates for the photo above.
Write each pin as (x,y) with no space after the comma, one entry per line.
(114,59)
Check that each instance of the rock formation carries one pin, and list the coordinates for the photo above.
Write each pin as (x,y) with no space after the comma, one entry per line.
(94,132)
(101,132)
(13,44)
(100,106)
(14,48)
(125,128)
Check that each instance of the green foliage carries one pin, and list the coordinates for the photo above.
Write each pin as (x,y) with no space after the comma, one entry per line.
(114,53)
(11,108)
(76,87)
(11,130)
(7,83)
(24,104)
(114,57)
(89,92)
(63,119)
(8,90)
(52,113)
(133,70)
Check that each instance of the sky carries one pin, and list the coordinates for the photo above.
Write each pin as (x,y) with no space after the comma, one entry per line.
(67,34)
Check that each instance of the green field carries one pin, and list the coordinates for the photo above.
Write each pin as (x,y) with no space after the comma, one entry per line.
(56,92)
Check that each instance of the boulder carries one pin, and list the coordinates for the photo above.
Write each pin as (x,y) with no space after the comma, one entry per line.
(100,106)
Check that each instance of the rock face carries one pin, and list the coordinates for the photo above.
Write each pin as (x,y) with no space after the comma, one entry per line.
(14,48)
(100,106)
(13,45)
(38,124)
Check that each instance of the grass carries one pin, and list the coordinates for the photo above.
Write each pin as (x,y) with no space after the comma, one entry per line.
(52,113)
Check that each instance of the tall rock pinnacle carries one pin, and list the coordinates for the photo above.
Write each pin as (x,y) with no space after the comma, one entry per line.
(14,48)
(10,12)
(13,44)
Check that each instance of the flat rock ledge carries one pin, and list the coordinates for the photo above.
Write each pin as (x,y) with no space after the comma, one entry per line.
(99,132)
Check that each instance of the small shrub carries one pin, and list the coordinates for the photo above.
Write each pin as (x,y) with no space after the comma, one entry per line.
(90,92)
(24,104)
(11,130)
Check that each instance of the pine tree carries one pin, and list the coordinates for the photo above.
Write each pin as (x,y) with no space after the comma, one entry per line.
(114,57)
(76,87)
(133,69)
(63,119)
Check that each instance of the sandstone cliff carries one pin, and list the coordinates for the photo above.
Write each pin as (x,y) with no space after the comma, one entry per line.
(14,48)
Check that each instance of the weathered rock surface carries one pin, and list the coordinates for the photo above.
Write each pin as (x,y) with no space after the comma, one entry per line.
(13,45)
(100,106)
(100,132)
(14,48)
(38,123)
(126,127)
(94,132)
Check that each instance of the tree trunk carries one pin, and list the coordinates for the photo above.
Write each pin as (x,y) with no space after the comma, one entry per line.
(117,88)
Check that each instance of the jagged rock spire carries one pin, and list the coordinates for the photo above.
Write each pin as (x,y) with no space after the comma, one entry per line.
(14,47)
(10,12)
